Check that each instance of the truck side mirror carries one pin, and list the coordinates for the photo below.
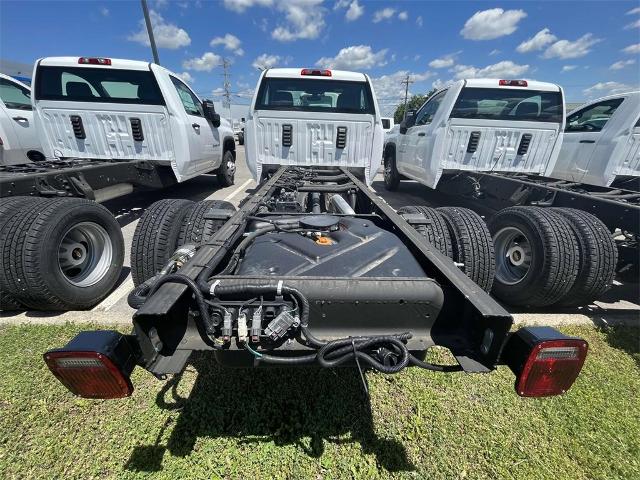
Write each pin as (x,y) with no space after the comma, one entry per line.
(408,122)
(210,113)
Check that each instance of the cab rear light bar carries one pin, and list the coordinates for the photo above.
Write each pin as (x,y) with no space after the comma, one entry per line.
(513,83)
(95,364)
(545,361)
(315,72)
(94,61)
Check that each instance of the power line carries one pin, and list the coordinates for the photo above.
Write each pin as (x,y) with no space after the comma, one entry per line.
(406,83)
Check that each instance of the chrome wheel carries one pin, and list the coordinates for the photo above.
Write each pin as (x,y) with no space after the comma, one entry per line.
(513,255)
(85,254)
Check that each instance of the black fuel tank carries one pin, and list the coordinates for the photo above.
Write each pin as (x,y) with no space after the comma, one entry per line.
(358,248)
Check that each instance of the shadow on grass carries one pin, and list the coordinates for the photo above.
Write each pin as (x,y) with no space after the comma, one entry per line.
(626,339)
(306,407)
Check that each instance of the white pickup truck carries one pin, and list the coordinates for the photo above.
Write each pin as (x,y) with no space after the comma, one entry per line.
(104,108)
(314,117)
(601,143)
(478,125)
(18,139)
(107,127)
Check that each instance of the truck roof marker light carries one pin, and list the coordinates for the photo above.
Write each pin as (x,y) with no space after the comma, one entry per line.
(513,83)
(89,374)
(94,61)
(551,367)
(315,72)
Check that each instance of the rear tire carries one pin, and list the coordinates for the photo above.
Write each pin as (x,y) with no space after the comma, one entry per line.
(241,139)
(435,231)
(227,170)
(536,256)
(391,174)
(597,261)
(67,254)
(195,228)
(472,245)
(156,237)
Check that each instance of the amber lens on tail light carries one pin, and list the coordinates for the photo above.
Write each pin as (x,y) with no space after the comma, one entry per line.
(95,364)
(545,361)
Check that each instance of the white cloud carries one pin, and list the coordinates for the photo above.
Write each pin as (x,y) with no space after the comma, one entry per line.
(492,23)
(504,69)
(495,51)
(104,11)
(205,63)
(438,84)
(419,21)
(568,49)
(403,16)
(266,61)
(230,42)
(305,20)
(390,90)
(540,40)
(634,11)
(622,64)
(416,57)
(632,49)
(631,25)
(357,57)
(444,62)
(240,6)
(354,9)
(186,76)
(167,35)
(568,68)
(607,88)
(384,14)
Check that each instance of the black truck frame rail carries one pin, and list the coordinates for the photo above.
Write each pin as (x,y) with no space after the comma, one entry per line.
(383,322)
(81,178)
(615,207)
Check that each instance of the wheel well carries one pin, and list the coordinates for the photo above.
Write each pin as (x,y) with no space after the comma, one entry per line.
(229,144)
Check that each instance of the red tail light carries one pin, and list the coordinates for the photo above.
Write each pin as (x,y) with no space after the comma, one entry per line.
(94,61)
(513,83)
(95,364)
(551,368)
(89,374)
(315,73)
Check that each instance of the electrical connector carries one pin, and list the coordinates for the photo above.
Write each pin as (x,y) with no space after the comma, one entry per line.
(256,325)
(278,327)
(243,331)
(227,326)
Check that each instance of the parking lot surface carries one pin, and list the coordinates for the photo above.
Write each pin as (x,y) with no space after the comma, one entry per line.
(621,305)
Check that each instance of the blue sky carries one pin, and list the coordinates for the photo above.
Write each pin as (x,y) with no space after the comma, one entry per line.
(590,47)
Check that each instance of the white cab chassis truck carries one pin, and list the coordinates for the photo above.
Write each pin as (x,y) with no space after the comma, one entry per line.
(107,126)
(601,143)
(487,144)
(314,118)
(18,139)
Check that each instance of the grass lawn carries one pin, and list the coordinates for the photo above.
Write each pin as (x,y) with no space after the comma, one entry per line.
(313,424)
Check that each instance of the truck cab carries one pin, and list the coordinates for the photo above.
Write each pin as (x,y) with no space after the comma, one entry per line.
(478,125)
(103,108)
(314,117)
(601,143)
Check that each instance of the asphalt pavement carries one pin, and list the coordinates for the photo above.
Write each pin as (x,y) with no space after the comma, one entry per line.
(620,305)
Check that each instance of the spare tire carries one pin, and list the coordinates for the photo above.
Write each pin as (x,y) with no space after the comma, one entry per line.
(67,254)
(598,257)
(536,256)
(434,229)
(8,206)
(472,245)
(156,237)
(196,229)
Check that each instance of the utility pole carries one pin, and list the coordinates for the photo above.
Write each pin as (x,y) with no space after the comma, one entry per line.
(152,39)
(226,85)
(406,83)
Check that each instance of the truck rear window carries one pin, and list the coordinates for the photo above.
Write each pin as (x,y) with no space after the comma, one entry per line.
(313,95)
(509,104)
(102,85)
